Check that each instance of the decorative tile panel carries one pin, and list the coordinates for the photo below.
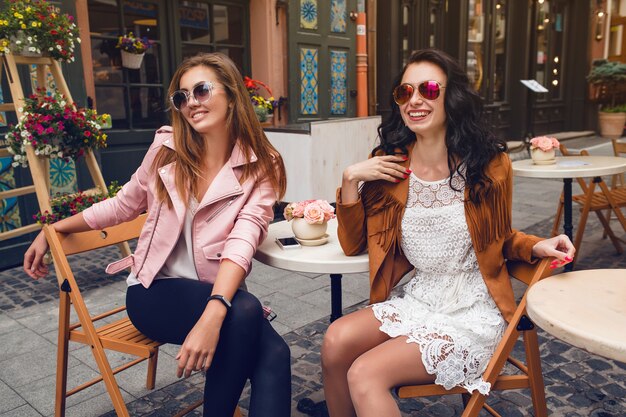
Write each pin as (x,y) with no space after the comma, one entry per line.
(9,210)
(62,177)
(338,15)
(308,81)
(338,82)
(308,14)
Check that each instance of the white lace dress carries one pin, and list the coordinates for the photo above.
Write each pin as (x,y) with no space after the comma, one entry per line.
(446,308)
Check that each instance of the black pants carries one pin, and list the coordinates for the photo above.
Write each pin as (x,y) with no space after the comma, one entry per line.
(248,347)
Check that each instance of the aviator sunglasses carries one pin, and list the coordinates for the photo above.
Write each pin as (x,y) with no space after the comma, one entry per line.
(428,90)
(200,92)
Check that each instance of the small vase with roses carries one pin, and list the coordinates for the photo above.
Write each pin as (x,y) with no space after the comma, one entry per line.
(310,220)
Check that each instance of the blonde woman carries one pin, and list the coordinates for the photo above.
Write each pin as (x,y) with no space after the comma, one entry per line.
(208,184)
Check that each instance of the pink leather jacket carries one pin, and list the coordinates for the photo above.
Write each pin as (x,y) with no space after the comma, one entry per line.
(231,221)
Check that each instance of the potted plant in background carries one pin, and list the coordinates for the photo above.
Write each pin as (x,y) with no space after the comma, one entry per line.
(609,90)
(55,129)
(263,107)
(35,28)
(543,150)
(310,220)
(133,50)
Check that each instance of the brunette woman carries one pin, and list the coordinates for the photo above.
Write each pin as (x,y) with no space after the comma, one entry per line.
(436,201)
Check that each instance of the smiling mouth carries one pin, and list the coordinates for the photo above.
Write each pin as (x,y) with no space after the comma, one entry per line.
(198,115)
(419,114)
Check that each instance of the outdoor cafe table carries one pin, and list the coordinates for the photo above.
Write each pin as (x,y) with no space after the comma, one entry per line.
(324,259)
(586,309)
(567,168)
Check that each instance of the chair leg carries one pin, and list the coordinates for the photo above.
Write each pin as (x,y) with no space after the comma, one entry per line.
(583,220)
(609,232)
(557,217)
(474,405)
(535,377)
(152,368)
(62,349)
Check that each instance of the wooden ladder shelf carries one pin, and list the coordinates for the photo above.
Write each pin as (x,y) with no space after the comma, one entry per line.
(39,167)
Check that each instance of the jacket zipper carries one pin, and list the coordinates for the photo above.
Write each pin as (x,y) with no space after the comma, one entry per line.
(221,208)
(156,221)
(211,217)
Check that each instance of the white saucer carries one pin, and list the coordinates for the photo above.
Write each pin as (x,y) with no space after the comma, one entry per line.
(545,162)
(313,242)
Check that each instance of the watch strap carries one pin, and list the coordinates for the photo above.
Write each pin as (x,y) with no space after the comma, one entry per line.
(222,299)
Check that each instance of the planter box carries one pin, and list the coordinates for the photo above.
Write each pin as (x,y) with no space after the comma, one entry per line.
(315,161)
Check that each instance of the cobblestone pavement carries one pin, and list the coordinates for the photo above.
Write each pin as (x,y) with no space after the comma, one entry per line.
(577,383)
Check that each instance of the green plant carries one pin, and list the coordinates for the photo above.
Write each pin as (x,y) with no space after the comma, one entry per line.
(55,128)
(609,78)
(132,44)
(35,26)
(263,107)
(66,205)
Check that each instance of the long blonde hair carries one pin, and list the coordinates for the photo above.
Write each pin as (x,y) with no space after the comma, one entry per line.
(242,123)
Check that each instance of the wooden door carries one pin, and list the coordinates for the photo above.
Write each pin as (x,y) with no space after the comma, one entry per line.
(322,48)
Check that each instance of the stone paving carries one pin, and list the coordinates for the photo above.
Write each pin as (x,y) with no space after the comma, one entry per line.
(577,383)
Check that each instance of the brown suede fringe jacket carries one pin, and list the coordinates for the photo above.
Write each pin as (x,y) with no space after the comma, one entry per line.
(373,222)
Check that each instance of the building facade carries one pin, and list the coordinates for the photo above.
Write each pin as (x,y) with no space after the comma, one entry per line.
(306,52)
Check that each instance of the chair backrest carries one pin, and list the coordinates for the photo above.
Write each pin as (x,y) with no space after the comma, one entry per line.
(583,152)
(619,149)
(96,239)
(63,245)
(529,274)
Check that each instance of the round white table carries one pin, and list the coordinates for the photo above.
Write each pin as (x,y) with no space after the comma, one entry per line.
(324,259)
(567,168)
(586,309)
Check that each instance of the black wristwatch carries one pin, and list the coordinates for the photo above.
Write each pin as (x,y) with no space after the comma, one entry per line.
(222,299)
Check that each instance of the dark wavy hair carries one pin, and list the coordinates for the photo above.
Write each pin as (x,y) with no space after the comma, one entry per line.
(470,141)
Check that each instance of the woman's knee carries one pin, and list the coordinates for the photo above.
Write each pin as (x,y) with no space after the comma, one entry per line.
(363,379)
(335,345)
(246,308)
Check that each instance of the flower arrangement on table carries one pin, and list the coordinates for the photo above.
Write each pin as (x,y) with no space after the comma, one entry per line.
(35,27)
(310,219)
(542,149)
(133,49)
(55,128)
(263,107)
(66,205)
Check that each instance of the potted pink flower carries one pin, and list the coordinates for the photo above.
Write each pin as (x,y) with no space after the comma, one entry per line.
(310,219)
(542,150)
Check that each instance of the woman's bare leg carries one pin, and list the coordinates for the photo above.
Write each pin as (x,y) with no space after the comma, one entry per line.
(375,373)
(346,340)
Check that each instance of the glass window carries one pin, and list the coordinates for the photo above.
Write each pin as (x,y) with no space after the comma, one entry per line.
(194,20)
(500,29)
(550,46)
(133,97)
(228,24)
(476,47)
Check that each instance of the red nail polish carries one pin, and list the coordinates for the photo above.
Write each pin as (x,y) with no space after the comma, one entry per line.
(396,180)
(568,259)
(409,171)
(406,176)
(405,157)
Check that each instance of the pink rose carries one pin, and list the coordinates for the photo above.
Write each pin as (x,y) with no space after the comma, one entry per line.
(544,143)
(329,211)
(313,213)
(298,210)
(288,212)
